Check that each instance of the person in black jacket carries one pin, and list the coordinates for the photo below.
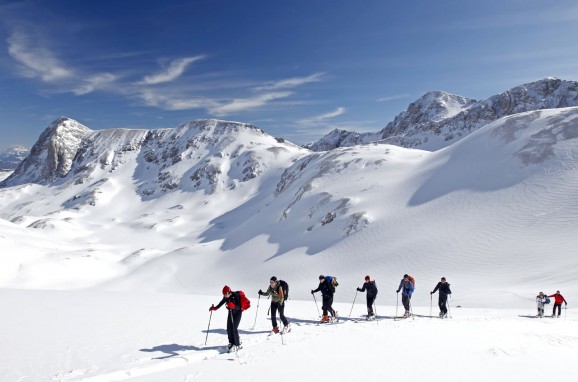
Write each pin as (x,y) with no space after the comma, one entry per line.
(327,291)
(233,304)
(444,291)
(371,289)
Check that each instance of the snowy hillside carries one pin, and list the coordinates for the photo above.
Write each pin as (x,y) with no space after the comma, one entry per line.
(209,203)
(438,119)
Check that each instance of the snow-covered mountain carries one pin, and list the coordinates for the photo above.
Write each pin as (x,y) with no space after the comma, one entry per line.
(438,119)
(11,157)
(213,202)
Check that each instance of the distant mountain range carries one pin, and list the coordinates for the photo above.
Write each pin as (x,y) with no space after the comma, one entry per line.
(438,119)
(11,157)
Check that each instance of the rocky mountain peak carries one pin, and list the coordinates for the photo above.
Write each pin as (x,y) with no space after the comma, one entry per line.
(51,156)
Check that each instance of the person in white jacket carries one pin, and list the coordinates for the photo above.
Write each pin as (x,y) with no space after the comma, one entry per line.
(540,301)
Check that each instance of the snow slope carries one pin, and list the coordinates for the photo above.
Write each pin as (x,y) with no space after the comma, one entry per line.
(94,337)
(495,213)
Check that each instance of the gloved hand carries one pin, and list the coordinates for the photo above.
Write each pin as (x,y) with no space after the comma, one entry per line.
(260,291)
(230,305)
(397,291)
(312,291)
(430,292)
(212,308)
(566,304)
(359,289)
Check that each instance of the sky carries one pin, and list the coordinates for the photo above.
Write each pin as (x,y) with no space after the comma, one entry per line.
(297,69)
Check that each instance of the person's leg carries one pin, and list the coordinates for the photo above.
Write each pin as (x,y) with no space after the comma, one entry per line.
(230,329)
(326,305)
(282,314)
(444,303)
(237,320)
(274,306)
(330,306)
(405,301)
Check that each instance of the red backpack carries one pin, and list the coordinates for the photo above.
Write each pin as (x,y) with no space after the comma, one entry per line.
(412,281)
(245,303)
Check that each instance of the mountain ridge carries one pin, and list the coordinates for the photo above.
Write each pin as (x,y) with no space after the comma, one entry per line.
(438,119)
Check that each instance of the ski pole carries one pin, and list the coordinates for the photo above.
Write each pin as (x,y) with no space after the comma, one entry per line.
(396,304)
(208,327)
(375,312)
(256,311)
(353,303)
(314,299)
(430,304)
(449,311)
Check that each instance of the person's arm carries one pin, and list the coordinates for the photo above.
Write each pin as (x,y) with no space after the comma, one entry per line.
(267,293)
(220,303)
(316,290)
(400,286)
(362,289)
(436,288)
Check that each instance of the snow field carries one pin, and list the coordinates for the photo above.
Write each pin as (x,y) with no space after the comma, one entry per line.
(99,336)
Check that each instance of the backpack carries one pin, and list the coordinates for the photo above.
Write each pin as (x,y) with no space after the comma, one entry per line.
(285,288)
(547,300)
(245,303)
(332,280)
(412,281)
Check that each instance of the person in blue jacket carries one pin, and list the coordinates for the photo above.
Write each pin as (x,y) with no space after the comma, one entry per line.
(406,288)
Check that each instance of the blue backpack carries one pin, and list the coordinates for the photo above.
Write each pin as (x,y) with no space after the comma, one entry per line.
(332,281)
(547,300)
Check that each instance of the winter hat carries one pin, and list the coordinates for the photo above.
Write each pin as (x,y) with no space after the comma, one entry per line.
(321,277)
(367,278)
(273,278)
(226,290)
(405,276)
(443,279)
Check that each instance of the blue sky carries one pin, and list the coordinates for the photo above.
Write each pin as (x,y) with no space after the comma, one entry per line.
(297,69)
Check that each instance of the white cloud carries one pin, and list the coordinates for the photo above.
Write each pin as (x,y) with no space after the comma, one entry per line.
(37,62)
(169,102)
(175,69)
(242,104)
(290,82)
(393,98)
(95,82)
(324,117)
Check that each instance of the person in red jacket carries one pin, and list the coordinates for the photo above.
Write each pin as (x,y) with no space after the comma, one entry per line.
(558,300)
(233,304)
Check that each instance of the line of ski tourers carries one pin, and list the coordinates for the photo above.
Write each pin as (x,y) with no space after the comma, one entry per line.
(278,290)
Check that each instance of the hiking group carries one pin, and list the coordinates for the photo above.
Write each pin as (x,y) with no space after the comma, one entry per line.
(542,300)
(278,290)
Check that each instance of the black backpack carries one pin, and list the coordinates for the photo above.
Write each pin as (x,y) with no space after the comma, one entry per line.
(285,288)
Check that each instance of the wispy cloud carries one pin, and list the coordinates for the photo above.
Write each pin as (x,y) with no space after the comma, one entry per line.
(175,69)
(242,104)
(394,97)
(323,117)
(290,83)
(36,62)
(96,82)
(160,89)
